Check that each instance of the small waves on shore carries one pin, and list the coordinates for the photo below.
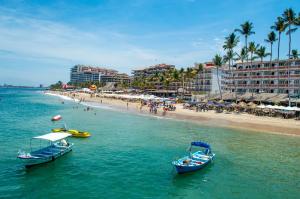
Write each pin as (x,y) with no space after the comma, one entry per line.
(62,97)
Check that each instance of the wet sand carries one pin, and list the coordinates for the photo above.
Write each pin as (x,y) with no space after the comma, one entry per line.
(209,118)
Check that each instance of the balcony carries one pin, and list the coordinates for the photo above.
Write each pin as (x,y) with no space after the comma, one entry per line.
(292,76)
(267,69)
(259,86)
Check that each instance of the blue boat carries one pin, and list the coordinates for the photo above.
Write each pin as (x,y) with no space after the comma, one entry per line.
(196,160)
(56,147)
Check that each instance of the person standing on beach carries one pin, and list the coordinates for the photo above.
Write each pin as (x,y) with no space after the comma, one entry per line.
(127,105)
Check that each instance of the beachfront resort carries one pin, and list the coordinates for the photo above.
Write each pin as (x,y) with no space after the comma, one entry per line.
(253,81)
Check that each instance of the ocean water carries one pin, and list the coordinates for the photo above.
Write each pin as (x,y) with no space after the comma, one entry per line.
(129,155)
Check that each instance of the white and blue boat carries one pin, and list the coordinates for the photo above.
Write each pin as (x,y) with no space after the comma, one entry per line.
(57,145)
(196,160)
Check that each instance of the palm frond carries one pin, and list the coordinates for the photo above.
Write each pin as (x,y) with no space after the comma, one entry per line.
(291,31)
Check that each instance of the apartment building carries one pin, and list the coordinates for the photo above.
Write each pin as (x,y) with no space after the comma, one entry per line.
(151,70)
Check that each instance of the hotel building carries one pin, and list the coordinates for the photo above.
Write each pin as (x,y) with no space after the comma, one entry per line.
(264,77)
(206,80)
(83,73)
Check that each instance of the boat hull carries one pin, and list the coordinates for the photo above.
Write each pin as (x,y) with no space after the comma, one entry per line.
(195,162)
(79,134)
(185,169)
(33,160)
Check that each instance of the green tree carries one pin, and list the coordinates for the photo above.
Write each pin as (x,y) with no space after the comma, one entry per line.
(56,86)
(295,54)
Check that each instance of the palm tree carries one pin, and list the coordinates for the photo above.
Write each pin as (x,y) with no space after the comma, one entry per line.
(189,75)
(290,20)
(218,62)
(271,39)
(175,77)
(295,54)
(246,30)
(198,69)
(227,58)
(261,53)
(252,49)
(242,56)
(230,43)
(279,27)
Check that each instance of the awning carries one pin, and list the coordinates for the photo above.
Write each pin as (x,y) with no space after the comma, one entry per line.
(53,136)
(201,144)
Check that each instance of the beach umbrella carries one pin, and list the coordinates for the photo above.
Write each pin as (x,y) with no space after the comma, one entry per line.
(210,103)
(242,104)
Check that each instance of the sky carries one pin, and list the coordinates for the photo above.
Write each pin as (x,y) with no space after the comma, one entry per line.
(41,40)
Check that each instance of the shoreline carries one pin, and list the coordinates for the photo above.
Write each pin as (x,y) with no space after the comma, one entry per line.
(242,121)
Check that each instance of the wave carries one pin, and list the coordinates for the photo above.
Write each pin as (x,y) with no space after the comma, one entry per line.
(97,105)
(63,97)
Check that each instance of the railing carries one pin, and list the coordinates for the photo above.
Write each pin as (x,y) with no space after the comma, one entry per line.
(267,68)
(262,86)
(263,76)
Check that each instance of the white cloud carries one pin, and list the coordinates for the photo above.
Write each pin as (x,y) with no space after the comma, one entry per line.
(47,40)
(40,38)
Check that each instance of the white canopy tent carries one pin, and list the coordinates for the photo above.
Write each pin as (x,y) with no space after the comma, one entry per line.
(137,97)
(53,136)
(288,108)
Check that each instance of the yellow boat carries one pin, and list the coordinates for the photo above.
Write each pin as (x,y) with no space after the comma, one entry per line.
(59,130)
(79,134)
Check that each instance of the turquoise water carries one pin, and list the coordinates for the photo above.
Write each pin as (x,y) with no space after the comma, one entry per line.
(129,156)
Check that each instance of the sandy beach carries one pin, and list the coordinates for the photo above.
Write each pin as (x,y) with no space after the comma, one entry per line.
(209,118)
